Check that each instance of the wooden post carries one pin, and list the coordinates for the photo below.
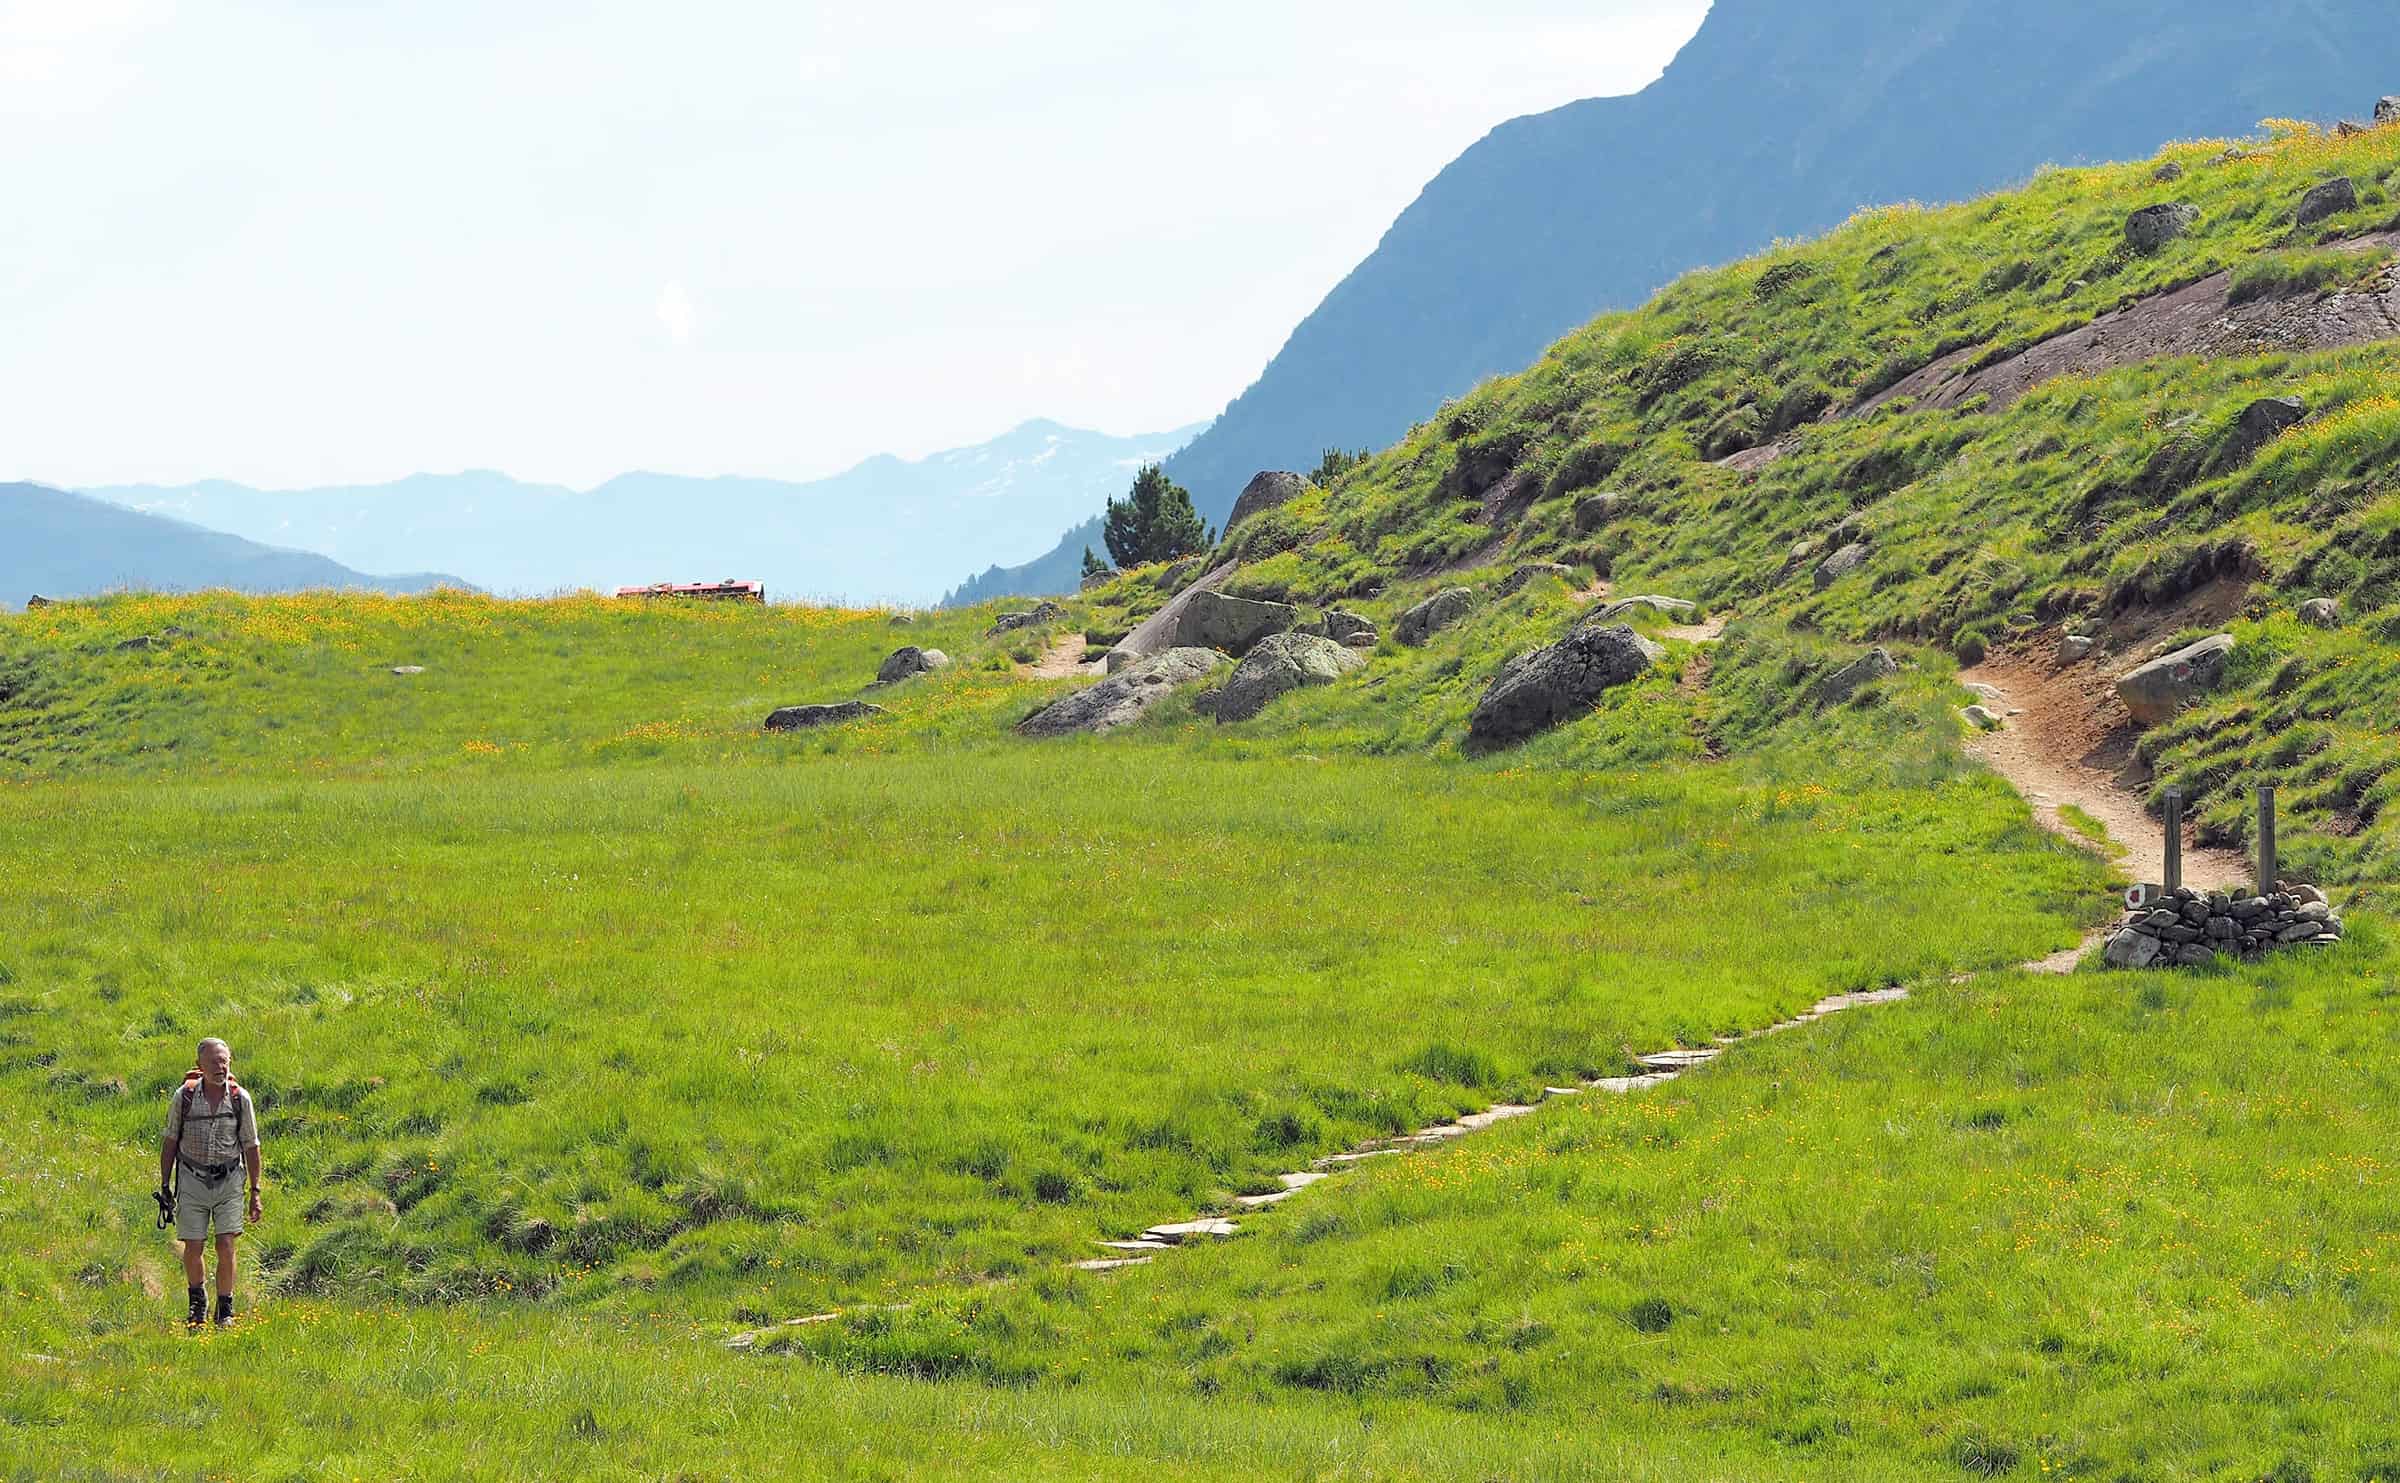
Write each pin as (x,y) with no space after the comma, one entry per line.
(2174,812)
(2266,838)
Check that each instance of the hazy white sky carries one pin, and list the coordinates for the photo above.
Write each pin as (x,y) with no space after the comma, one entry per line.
(308,241)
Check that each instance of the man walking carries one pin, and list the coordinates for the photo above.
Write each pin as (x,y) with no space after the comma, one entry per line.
(212,1132)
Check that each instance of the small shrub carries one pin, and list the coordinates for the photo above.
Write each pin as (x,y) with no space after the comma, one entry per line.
(1651,1315)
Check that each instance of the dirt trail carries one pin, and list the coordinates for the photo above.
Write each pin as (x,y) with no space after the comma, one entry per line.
(1063,658)
(2067,740)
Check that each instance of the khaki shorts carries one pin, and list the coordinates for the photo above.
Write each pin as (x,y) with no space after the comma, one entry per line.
(198,1204)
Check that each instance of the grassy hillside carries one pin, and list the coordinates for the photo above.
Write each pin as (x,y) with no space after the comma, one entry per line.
(2097,503)
(590,1024)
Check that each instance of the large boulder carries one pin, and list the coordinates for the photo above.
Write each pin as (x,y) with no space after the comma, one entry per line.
(1595,510)
(2153,227)
(1264,493)
(1841,564)
(2388,111)
(809,717)
(2321,612)
(1211,620)
(2157,690)
(1440,611)
(908,663)
(1545,687)
(1855,676)
(2261,423)
(1124,697)
(1526,575)
(36,601)
(2330,199)
(1156,633)
(1281,662)
(1100,578)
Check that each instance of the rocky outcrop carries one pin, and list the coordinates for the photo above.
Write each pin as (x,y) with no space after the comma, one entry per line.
(809,717)
(1442,610)
(1264,493)
(1098,579)
(1281,663)
(1124,697)
(1841,564)
(1524,577)
(1234,624)
(2321,612)
(2188,928)
(36,601)
(2330,199)
(2168,173)
(909,662)
(1545,687)
(2153,227)
(2388,111)
(1040,613)
(1875,664)
(2261,423)
(1156,633)
(2157,690)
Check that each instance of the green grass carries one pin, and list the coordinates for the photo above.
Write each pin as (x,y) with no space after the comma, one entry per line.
(2090,828)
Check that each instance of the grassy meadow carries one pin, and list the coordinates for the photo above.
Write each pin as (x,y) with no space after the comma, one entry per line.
(590,1024)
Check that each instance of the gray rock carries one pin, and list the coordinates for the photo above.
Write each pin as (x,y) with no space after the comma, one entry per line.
(2168,173)
(36,601)
(1981,718)
(1264,493)
(1841,564)
(2387,111)
(2130,949)
(1340,624)
(2307,895)
(808,717)
(909,662)
(2321,612)
(408,669)
(1040,613)
(1670,607)
(1802,550)
(2298,931)
(2261,423)
(2153,227)
(1365,640)
(1434,614)
(2330,199)
(1124,697)
(1156,633)
(1595,510)
(1525,576)
(1282,662)
(1098,579)
(142,644)
(2074,648)
(903,620)
(1847,681)
(2156,691)
(1178,572)
(1211,620)
(1545,687)
(2314,911)
(2193,955)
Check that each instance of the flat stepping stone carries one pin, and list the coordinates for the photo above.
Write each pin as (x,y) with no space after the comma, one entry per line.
(1303,1179)
(1438,1133)
(408,669)
(1677,1060)
(1182,1231)
(797,1323)
(1490,1115)
(1634,1083)
(1260,1202)
(1562,1091)
(1342,1160)
(1111,1264)
(1132,1245)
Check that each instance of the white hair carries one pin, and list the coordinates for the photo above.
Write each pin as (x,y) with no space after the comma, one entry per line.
(202,1053)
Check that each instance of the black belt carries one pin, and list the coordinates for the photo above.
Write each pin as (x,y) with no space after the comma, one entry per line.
(209,1173)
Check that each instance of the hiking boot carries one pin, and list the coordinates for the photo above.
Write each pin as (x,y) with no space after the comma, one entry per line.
(224,1312)
(199,1313)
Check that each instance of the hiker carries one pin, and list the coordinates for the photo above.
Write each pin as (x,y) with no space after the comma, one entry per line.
(212,1132)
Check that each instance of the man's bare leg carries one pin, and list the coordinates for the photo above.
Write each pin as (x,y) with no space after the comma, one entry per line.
(225,1275)
(195,1274)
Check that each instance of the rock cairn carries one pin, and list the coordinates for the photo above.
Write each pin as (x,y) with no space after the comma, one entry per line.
(2187,928)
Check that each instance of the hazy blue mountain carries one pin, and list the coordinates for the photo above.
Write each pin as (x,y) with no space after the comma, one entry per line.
(1778,119)
(58,544)
(886,530)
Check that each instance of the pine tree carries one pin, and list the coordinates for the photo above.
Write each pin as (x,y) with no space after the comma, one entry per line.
(1093,566)
(1154,522)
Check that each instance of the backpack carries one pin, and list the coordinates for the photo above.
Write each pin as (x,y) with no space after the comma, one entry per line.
(235,1101)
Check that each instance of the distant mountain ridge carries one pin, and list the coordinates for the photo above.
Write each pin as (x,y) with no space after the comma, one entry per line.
(1776,120)
(57,544)
(888,529)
